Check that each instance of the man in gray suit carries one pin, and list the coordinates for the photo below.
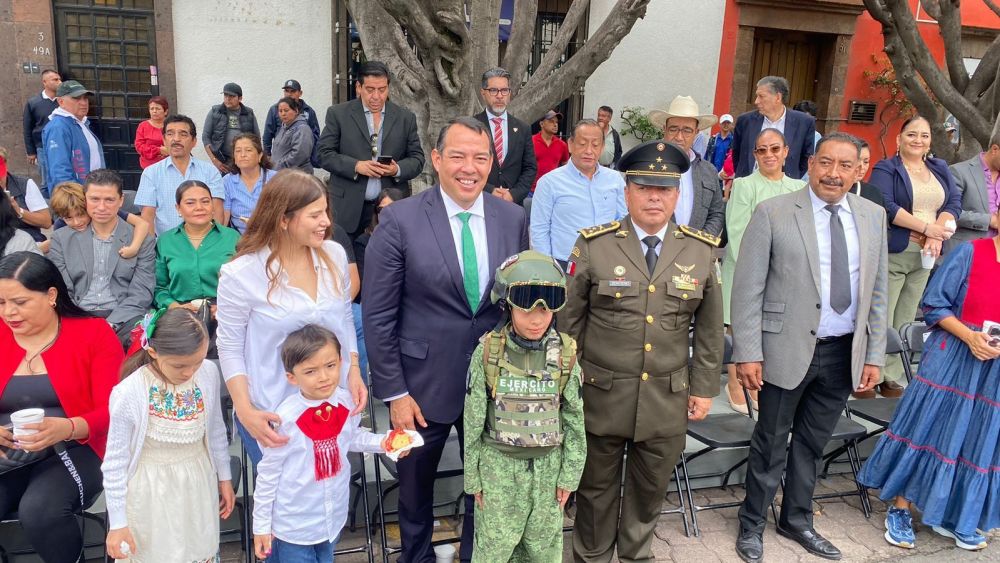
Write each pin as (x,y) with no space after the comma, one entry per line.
(99,280)
(809,327)
(699,205)
(979,181)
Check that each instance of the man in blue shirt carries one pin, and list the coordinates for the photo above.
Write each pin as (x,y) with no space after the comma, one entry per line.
(719,145)
(158,185)
(579,194)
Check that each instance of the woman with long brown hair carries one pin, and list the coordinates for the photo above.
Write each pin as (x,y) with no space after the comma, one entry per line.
(286,274)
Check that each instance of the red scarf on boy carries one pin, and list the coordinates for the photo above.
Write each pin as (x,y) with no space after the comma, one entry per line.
(322,425)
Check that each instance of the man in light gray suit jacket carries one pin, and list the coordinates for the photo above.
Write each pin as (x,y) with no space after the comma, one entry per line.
(809,327)
(99,279)
(978,219)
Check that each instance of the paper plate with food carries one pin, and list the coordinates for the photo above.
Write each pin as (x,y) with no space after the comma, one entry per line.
(398,441)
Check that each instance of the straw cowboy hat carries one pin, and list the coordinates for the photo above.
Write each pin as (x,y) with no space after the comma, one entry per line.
(682,106)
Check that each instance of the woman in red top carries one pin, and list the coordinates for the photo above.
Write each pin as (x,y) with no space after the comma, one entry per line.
(54,356)
(149,135)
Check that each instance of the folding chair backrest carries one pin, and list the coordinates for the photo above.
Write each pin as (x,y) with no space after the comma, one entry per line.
(912,337)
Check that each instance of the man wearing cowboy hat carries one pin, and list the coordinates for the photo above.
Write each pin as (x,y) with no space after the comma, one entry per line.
(699,205)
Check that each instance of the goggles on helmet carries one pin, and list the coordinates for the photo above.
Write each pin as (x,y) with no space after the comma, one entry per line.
(527,296)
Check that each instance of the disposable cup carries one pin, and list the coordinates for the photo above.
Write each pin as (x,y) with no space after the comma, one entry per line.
(26,416)
(444,553)
(950,225)
(927,260)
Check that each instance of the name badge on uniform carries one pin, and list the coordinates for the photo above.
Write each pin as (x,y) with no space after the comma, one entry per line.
(684,282)
(620,283)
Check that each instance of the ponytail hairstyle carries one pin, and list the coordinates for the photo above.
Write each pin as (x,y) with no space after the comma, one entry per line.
(170,332)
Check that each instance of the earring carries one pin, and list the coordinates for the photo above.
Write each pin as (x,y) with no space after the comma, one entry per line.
(52,304)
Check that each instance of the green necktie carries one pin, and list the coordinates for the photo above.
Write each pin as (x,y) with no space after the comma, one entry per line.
(470,266)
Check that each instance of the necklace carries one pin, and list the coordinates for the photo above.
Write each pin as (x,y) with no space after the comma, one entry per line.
(195,238)
(41,350)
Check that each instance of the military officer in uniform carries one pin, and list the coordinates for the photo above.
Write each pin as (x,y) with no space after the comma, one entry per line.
(635,289)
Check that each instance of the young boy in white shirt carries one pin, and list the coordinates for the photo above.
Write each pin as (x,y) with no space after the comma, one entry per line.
(303,488)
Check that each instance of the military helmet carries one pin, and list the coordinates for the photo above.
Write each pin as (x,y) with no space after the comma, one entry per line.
(527,278)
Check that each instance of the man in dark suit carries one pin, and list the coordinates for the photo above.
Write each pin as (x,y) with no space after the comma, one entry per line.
(798,128)
(428,274)
(514,164)
(367,144)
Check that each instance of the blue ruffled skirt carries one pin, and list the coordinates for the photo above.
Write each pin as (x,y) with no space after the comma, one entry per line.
(942,449)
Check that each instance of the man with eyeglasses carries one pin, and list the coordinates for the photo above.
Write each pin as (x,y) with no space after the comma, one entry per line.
(157,195)
(636,288)
(514,164)
(799,129)
(699,204)
(368,144)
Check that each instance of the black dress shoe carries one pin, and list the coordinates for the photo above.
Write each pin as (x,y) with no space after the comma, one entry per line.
(750,546)
(812,542)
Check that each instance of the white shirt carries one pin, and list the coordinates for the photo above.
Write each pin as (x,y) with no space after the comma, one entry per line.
(685,199)
(252,328)
(779,124)
(832,323)
(288,500)
(46,96)
(643,234)
(503,126)
(477,224)
(96,155)
(33,197)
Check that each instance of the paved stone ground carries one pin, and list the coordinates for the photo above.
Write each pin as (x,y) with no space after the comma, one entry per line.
(840,520)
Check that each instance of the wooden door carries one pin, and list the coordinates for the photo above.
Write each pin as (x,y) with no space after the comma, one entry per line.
(792,55)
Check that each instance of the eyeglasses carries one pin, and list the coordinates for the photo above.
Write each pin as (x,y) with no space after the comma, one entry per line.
(526,297)
(495,91)
(773,149)
(374,142)
(686,131)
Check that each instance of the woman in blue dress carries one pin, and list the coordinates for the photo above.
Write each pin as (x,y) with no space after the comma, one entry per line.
(941,452)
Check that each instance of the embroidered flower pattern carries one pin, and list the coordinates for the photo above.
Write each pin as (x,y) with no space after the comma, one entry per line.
(185,404)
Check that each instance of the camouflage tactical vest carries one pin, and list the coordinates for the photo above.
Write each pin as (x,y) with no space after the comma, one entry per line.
(522,414)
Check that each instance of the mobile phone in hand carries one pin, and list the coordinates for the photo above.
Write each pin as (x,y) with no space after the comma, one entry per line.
(384,159)
(992,330)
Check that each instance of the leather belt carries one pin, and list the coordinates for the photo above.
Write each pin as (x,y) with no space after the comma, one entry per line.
(832,339)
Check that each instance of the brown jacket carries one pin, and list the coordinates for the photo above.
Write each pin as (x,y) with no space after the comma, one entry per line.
(632,329)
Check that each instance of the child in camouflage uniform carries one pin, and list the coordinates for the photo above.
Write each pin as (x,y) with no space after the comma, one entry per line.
(525,445)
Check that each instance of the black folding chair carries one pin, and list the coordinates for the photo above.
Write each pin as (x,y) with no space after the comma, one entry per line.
(912,335)
(12,518)
(879,410)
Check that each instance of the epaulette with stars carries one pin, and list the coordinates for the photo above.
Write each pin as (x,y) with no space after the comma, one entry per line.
(707,238)
(597,230)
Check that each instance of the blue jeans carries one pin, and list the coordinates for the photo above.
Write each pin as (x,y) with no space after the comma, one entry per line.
(362,349)
(251,445)
(44,186)
(284,552)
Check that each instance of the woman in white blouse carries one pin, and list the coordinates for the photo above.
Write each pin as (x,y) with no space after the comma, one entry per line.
(286,274)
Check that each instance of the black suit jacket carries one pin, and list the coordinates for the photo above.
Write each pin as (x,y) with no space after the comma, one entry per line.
(800,135)
(519,168)
(345,140)
(418,326)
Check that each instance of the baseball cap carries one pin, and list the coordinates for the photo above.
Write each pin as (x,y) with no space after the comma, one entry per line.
(233,89)
(726,117)
(292,85)
(71,88)
(552,114)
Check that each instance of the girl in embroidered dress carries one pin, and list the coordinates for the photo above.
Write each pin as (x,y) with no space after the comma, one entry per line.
(166,471)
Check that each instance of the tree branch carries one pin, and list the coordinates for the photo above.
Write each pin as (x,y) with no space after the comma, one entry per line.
(485,27)
(986,73)
(543,92)
(567,30)
(389,45)
(993,6)
(520,43)
(950,23)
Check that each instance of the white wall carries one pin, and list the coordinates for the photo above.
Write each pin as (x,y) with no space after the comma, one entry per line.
(673,51)
(257,44)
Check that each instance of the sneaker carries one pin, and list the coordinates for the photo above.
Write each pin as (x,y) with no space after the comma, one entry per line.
(971,542)
(899,528)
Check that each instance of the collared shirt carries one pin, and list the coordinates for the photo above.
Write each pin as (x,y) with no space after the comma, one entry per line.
(185,273)
(254,319)
(661,234)
(477,224)
(503,127)
(549,157)
(46,96)
(992,189)
(99,296)
(779,124)
(288,500)
(240,202)
(566,201)
(685,200)
(832,323)
(96,154)
(374,186)
(158,188)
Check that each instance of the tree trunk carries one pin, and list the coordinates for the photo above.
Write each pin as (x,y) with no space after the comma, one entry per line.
(437,58)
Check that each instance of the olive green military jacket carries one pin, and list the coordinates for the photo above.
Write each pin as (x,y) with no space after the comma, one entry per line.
(571,417)
(632,328)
